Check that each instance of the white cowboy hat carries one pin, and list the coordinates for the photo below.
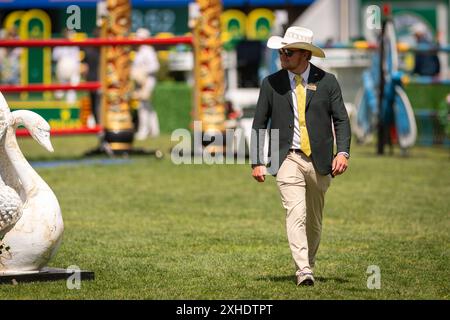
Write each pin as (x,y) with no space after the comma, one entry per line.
(296,37)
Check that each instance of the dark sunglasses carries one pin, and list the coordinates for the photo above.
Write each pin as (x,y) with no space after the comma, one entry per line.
(287,52)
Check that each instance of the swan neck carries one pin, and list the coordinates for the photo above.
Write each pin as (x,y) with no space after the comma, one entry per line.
(27,175)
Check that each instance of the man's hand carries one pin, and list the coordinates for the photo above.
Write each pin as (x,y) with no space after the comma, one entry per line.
(259,173)
(340,164)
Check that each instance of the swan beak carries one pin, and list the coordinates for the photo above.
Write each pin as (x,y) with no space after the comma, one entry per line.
(48,145)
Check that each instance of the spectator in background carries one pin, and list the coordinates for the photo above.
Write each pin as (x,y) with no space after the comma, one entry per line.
(67,66)
(143,73)
(91,64)
(426,63)
(10,60)
(329,43)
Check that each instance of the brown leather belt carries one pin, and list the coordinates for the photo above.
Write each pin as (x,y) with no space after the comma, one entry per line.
(298,151)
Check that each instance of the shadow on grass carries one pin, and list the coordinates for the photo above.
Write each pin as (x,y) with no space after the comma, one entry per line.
(291,278)
(333,279)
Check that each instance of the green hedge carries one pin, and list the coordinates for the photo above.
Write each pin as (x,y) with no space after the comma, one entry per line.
(173,103)
(427,100)
(426,96)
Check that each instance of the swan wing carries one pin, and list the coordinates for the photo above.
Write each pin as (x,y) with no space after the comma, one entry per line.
(11,207)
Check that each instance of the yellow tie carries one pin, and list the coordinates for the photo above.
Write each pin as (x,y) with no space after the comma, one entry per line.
(301,105)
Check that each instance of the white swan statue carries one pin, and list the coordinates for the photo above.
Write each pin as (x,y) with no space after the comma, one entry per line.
(28,244)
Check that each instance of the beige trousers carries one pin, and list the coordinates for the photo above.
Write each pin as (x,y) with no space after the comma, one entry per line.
(302,192)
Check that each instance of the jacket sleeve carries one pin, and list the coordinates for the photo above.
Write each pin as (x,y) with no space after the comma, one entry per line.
(340,118)
(260,120)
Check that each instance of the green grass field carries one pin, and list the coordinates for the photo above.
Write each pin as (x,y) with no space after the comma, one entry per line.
(150,229)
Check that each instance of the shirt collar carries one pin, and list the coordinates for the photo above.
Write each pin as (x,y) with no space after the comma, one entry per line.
(305,74)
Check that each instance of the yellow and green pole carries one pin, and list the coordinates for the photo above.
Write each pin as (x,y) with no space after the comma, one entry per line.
(209,89)
(115,74)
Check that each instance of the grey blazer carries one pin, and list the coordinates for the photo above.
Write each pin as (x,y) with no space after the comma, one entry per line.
(324,106)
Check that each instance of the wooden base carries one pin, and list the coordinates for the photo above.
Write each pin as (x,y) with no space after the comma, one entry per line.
(46,274)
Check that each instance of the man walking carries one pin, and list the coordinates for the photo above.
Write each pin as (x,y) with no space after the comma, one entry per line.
(303,103)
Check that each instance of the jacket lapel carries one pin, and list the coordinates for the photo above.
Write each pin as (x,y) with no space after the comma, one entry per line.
(313,78)
(286,85)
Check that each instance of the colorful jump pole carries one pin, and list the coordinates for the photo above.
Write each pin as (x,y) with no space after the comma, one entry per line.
(209,90)
(35,62)
(115,74)
(384,105)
